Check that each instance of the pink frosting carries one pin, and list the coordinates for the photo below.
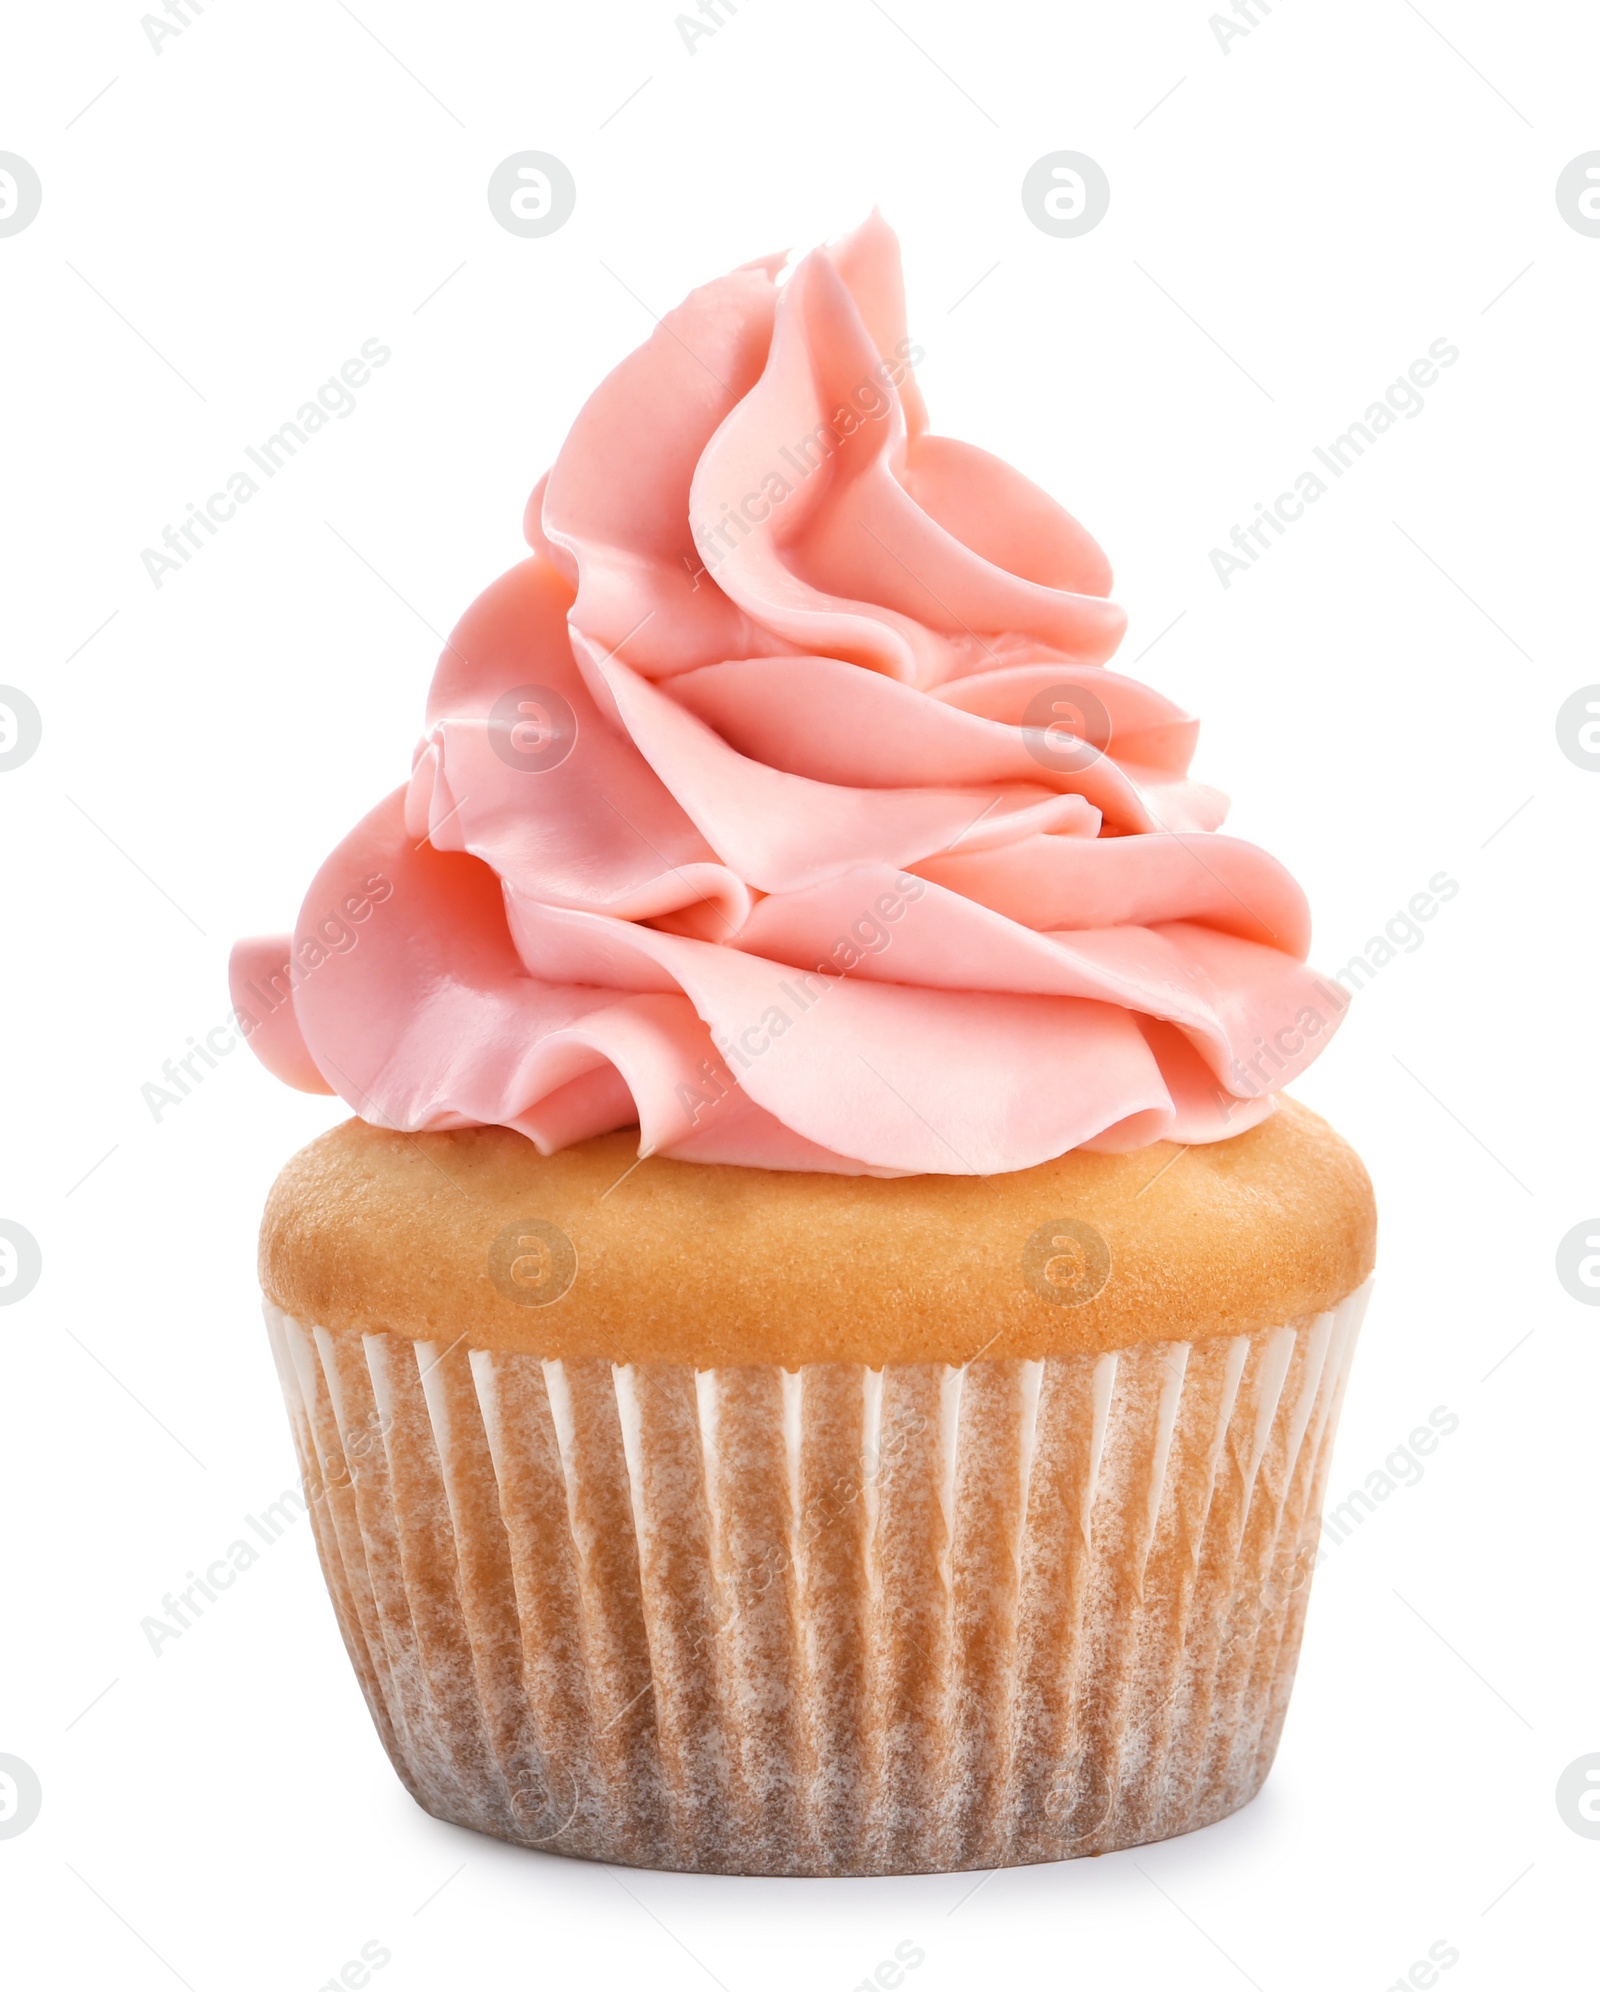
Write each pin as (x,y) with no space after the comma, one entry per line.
(782,805)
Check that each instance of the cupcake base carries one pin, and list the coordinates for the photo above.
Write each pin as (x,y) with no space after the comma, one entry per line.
(830,1621)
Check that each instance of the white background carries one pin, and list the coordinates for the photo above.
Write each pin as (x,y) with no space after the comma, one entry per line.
(1291,225)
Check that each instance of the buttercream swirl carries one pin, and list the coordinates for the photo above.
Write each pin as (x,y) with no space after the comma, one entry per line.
(781,803)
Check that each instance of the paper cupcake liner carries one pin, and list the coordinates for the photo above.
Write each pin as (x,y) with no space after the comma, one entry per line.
(832,1621)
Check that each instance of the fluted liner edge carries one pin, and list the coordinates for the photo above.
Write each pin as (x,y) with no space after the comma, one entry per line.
(825,1621)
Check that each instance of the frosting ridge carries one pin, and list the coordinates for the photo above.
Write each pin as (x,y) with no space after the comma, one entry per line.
(781,802)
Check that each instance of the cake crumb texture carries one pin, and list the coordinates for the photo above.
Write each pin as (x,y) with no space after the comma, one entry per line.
(422,1236)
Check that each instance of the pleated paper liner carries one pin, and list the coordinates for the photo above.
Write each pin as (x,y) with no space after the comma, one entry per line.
(834,1621)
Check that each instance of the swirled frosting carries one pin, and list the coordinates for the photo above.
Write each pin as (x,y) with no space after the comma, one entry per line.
(781,803)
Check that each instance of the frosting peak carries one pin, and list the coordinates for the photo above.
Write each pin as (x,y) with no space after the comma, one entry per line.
(781,803)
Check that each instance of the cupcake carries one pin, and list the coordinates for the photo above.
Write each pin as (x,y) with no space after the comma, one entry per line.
(820,1350)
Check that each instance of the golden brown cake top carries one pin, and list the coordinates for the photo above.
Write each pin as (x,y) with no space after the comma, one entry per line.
(589,1253)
